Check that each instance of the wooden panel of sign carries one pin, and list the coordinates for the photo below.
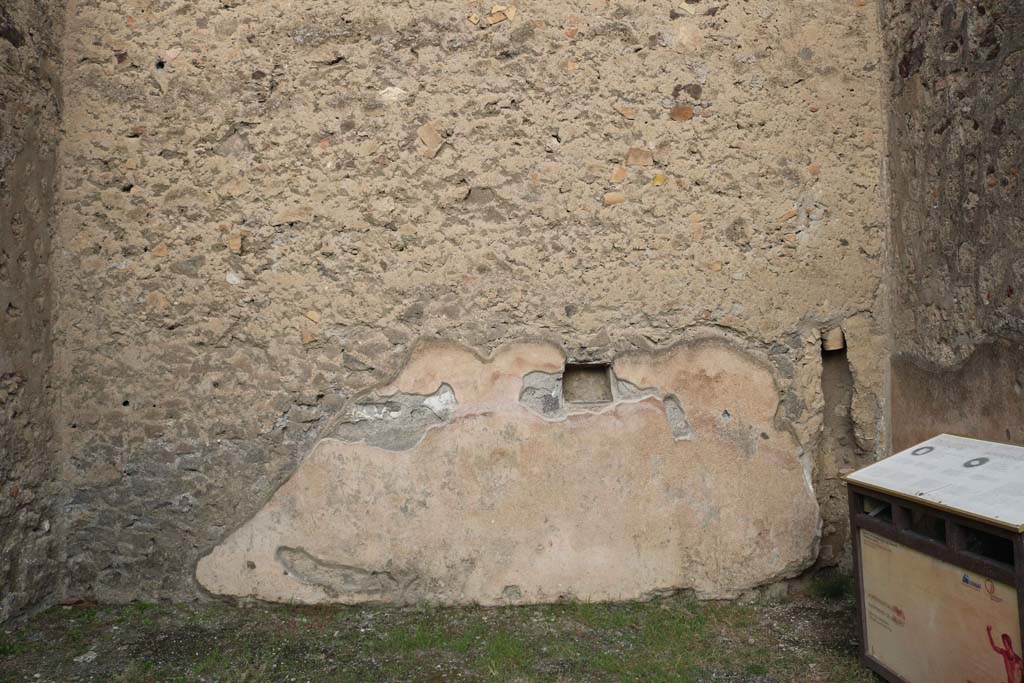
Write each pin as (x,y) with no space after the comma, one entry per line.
(929,621)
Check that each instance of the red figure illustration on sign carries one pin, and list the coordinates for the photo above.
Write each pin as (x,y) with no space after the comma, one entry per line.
(1011,660)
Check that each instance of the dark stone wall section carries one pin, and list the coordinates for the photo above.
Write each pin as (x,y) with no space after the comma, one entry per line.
(956,124)
(29,129)
(983,398)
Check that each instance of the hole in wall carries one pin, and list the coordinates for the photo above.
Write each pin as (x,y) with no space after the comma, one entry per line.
(837,444)
(590,383)
(837,391)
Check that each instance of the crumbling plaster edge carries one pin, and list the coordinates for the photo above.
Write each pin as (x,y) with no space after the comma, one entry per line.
(755,350)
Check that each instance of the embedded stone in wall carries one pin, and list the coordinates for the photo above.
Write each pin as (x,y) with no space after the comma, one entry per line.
(508,500)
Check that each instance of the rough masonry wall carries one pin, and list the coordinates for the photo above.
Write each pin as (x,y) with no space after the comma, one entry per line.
(266,205)
(29,129)
(957,152)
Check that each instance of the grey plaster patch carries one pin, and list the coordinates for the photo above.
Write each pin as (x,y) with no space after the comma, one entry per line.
(542,393)
(677,422)
(397,422)
(627,391)
(512,593)
(338,578)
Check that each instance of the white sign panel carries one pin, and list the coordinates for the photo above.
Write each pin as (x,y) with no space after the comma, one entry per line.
(978,479)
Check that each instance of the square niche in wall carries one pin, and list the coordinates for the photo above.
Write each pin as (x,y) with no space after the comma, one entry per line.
(591,383)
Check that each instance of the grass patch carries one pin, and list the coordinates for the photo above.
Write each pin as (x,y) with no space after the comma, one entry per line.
(413,638)
(465,639)
(11,646)
(673,628)
(672,640)
(505,653)
(605,616)
(137,672)
(251,669)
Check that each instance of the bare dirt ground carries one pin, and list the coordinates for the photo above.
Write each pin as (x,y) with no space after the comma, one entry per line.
(808,638)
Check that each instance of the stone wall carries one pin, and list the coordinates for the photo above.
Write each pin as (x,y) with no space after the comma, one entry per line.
(29,129)
(310,241)
(266,209)
(956,143)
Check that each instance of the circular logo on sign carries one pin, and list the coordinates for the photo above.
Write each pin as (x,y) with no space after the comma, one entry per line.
(976,462)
